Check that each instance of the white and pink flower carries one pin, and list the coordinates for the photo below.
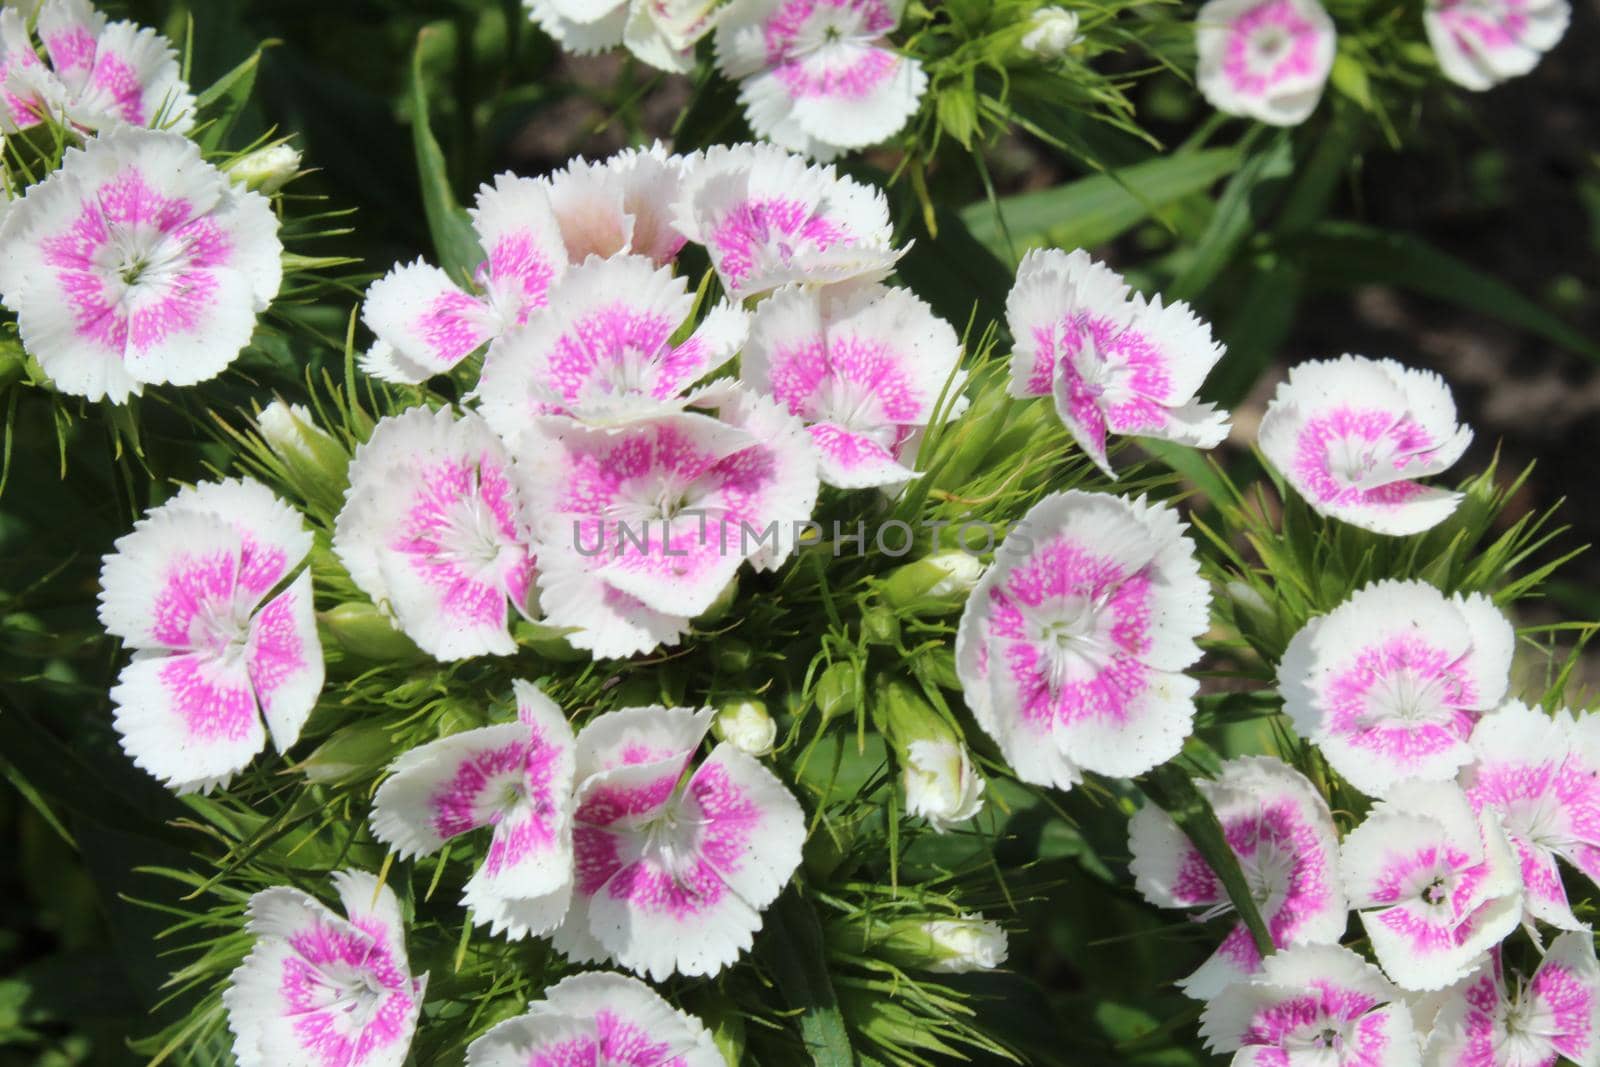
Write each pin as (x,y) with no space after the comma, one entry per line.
(819,76)
(432,531)
(322,990)
(516,777)
(1264,59)
(1282,833)
(767,220)
(622,205)
(1114,362)
(673,873)
(1555,1015)
(1352,435)
(425,323)
(863,366)
(640,527)
(1436,883)
(98,74)
(661,33)
(1312,1004)
(1540,774)
(201,590)
(603,350)
(602,1019)
(137,263)
(1072,648)
(1390,683)
(1481,43)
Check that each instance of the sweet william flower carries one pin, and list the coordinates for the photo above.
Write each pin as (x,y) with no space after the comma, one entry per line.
(432,531)
(1540,774)
(201,590)
(1352,435)
(818,76)
(137,263)
(864,366)
(1072,647)
(621,205)
(1281,831)
(320,989)
(661,33)
(673,872)
(597,1018)
(1312,1004)
(1390,683)
(1113,362)
(1264,59)
(1480,43)
(1436,884)
(1554,1015)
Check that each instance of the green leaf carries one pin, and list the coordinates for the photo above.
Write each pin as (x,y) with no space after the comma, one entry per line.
(1241,210)
(454,241)
(1350,78)
(1174,791)
(792,945)
(1350,253)
(222,102)
(1093,210)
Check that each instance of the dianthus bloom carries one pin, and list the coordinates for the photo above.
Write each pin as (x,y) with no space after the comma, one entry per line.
(321,989)
(603,350)
(137,263)
(1436,884)
(621,205)
(1480,43)
(603,1019)
(673,873)
(818,76)
(1541,775)
(641,527)
(1312,1004)
(190,590)
(432,531)
(1280,829)
(661,33)
(863,366)
(99,75)
(516,777)
(767,219)
(425,323)
(1114,363)
(1390,683)
(1264,59)
(1352,434)
(1555,1015)
(1071,649)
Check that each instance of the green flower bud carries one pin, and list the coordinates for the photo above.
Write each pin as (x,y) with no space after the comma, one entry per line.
(835,691)
(266,170)
(880,626)
(350,753)
(734,655)
(362,630)
(745,724)
(546,642)
(944,946)
(719,607)
(937,582)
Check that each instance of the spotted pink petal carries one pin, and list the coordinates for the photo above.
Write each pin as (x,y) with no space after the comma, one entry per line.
(135,79)
(522,246)
(425,320)
(1264,59)
(19,66)
(284,661)
(1480,45)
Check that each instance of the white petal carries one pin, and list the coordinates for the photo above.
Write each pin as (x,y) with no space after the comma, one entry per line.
(188,719)
(447,787)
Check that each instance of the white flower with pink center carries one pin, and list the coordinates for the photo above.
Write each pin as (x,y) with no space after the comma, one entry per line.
(1555,1015)
(863,366)
(137,263)
(641,527)
(604,350)
(661,33)
(1072,648)
(673,871)
(1264,59)
(600,1019)
(819,76)
(321,990)
(1540,775)
(516,777)
(1352,435)
(1390,683)
(1114,362)
(621,205)
(99,75)
(223,633)
(431,530)
(1283,836)
(767,220)
(425,323)
(1312,1006)
(1480,43)
(1436,883)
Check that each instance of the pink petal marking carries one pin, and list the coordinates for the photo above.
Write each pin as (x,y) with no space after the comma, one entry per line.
(1280,19)
(763,223)
(1348,692)
(1369,435)
(213,705)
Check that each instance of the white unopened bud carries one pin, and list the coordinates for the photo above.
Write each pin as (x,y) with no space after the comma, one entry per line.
(1051,32)
(745,725)
(266,170)
(972,943)
(940,784)
(291,431)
